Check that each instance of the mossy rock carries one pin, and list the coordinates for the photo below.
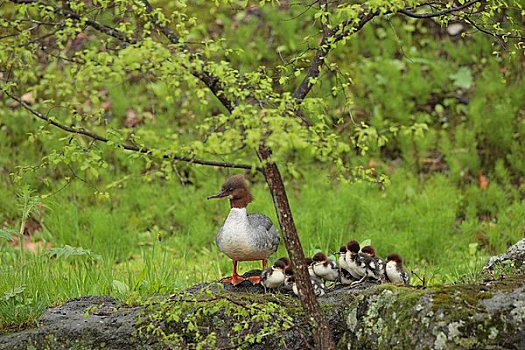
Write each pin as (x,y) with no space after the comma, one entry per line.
(489,315)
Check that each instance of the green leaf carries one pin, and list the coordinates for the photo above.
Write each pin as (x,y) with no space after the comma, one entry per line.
(68,251)
(462,78)
(12,293)
(365,243)
(120,287)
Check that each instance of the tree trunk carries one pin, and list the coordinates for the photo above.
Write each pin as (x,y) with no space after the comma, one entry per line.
(320,328)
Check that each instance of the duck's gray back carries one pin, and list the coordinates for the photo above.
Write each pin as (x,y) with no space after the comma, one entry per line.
(267,235)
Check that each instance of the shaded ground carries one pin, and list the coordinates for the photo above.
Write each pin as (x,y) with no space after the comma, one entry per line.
(490,313)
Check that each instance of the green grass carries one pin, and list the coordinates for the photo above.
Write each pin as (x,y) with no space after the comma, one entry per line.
(158,237)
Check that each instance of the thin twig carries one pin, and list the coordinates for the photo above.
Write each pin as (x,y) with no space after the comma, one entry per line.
(485,31)
(439,13)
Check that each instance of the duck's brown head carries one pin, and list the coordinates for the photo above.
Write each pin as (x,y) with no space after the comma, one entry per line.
(236,189)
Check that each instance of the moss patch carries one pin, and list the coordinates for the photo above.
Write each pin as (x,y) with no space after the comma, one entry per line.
(219,319)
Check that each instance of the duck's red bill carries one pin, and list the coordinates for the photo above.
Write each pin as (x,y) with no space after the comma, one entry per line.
(221,194)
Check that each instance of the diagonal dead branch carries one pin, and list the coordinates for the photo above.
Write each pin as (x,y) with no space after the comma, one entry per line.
(330,37)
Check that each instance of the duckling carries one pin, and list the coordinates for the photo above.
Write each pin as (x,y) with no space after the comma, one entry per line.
(374,265)
(317,284)
(395,271)
(344,275)
(289,279)
(324,267)
(342,257)
(310,264)
(273,277)
(287,262)
(354,260)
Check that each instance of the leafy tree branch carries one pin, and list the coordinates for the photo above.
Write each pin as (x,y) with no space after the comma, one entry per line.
(128,147)
(351,26)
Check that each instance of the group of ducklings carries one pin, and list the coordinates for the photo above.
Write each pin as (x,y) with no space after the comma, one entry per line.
(355,265)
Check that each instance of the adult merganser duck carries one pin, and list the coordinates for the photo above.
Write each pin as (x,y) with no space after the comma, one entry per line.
(394,270)
(273,277)
(324,267)
(244,237)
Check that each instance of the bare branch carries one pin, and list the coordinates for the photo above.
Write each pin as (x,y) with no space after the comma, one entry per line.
(439,13)
(485,31)
(330,37)
(134,148)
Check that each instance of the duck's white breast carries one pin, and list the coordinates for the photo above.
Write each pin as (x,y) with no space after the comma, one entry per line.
(236,240)
(392,273)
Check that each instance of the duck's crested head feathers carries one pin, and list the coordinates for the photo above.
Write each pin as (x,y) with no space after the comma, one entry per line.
(237,190)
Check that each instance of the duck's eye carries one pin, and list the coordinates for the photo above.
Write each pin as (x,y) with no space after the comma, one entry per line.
(230,189)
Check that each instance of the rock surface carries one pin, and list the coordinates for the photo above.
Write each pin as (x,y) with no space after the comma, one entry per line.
(487,314)
(515,254)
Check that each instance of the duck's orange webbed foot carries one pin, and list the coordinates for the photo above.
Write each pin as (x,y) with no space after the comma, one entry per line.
(235,280)
(254,279)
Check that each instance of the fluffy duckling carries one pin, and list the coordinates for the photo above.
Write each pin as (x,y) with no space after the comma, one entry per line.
(317,284)
(325,267)
(374,265)
(289,279)
(287,262)
(273,277)
(395,271)
(342,257)
(310,263)
(344,275)
(354,260)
